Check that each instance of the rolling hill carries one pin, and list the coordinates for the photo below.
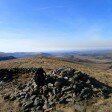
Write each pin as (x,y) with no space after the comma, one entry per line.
(98,71)
(3,58)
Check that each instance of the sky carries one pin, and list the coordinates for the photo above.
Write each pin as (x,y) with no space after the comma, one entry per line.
(52,25)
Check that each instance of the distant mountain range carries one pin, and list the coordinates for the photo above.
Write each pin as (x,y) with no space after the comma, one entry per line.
(65,54)
(9,56)
(2,58)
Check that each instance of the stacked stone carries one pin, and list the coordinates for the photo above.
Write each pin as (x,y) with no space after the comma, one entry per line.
(62,86)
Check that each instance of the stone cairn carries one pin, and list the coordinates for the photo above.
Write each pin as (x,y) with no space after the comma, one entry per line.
(62,86)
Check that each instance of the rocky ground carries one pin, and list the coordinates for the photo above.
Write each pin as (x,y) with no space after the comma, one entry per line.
(64,86)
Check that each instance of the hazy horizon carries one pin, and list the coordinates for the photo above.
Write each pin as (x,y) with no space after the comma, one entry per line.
(55,25)
(61,51)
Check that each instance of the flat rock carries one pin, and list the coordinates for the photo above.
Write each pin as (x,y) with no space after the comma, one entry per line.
(28,104)
(33,97)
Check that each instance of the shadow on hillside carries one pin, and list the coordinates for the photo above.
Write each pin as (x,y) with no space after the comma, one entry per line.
(88,87)
(7,75)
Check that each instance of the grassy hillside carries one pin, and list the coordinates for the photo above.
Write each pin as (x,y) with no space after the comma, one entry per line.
(99,71)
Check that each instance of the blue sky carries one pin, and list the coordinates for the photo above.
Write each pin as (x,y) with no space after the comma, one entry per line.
(47,25)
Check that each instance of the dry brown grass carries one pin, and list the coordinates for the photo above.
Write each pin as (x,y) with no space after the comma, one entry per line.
(100,73)
(48,64)
(8,106)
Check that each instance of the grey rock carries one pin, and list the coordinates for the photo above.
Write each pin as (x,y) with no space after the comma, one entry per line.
(27,96)
(28,104)
(74,86)
(27,89)
(62,101)
(36,102)
(38,109)
(52,104)
(80,108)
(67,89)
(33,109)
(26,110)
(48,110)
(22,93)
(34,85)
(63,85)
(69,99)
(88,81)
(6,97)
(12,98)
(2,82)
(33,97)
(21,86)
(46,105)
(86,93)
(50,85)
(17,95)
